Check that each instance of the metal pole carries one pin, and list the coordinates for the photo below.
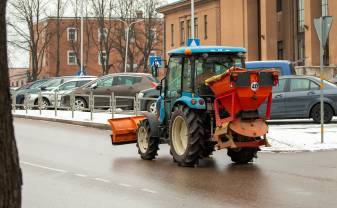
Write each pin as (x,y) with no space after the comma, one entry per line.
(192,19)
(322,96)
(14,102)
(91,102)
(136,100)
(55,102)
(72,100)
(126,47)
(112,104)
(81,38)
(26,102)
(39,102)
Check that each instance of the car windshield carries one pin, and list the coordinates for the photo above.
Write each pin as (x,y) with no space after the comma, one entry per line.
(37,84)
(53,83)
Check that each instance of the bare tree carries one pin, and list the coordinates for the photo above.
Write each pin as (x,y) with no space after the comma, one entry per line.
(10,172)
(59,14)
(32,31)
(75,45)
(104,14)
(149,37)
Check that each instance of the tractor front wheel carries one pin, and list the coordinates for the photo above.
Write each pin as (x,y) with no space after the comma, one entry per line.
(242,155)
(186,132)
(147,145)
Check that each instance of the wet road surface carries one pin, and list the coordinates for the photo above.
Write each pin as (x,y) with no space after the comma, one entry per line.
(72,166)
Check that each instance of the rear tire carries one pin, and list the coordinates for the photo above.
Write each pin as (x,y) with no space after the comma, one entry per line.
(147,145)
(316,113)
(242,155)
(186,132)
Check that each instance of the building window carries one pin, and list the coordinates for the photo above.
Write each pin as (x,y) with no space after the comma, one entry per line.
(205,27)
(182,33)
(279,5)
(172,34)
(300,16)
(102,34)
(325,8)
(280,50)
(101,57)
(196,27)
(72,58)
(17,83)
(188,28)
(72,34)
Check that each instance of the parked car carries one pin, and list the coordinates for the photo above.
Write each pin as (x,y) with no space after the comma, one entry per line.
(148,105)
(45,84)
(48,96)
(122,84)
(334,80)
(28,88)
(285,67)
(299,97)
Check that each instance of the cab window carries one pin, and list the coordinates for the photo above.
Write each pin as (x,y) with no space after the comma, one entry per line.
(107,82)
(174,78)
(187,73)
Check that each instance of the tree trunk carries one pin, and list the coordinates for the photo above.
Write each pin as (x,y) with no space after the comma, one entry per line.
(10,172)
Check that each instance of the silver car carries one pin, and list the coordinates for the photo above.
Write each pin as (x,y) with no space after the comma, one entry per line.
(299,97)
(48,97)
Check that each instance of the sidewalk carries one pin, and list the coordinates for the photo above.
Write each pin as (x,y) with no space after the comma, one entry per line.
(284,136)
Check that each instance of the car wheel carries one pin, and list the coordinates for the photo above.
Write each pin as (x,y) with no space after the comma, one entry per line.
(152,106)
(80,104)
(44,105)
(316,113)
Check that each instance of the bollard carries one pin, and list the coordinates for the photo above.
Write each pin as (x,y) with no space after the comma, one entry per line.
(55,103)
(39,102)
(91,102)
(25,102)
(72,102)
(112,98)
(13,102)
(135,105)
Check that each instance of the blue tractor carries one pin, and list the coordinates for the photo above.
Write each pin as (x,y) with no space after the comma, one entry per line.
(186,117)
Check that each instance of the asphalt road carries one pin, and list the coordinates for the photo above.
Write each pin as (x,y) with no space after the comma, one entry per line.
(71,166)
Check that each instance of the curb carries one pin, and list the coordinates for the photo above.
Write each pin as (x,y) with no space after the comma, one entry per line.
(58,120)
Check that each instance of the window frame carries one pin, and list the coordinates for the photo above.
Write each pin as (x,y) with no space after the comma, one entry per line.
(99,57)
(105,30)
(68,56)
(68,34)
(205,27)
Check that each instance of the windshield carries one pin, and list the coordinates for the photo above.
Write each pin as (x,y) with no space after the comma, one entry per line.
(208,66)
(53,83)
(37,84)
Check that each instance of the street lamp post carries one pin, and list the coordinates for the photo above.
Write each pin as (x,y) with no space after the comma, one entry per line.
(127,26)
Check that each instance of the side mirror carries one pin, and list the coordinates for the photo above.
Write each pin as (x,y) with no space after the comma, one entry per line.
(43,88)
(93,86)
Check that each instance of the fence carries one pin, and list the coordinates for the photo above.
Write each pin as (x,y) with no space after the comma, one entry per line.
(52,101)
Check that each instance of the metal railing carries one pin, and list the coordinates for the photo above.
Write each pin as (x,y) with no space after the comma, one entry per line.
(53,101)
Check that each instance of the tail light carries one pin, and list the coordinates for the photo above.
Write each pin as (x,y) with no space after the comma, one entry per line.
(275,79)
(234,78)
(154,85)
(201,101)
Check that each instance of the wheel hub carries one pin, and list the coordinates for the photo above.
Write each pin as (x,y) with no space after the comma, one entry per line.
(179,135)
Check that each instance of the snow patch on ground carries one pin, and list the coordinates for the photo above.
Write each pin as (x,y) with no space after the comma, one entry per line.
(284,135)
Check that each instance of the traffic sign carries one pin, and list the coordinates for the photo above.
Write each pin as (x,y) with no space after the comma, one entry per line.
(155,61)
(193,42)
(323,26)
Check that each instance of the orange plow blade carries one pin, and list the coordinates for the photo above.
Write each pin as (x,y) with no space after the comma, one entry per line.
(124,129)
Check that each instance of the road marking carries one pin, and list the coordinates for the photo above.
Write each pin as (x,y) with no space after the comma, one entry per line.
(102,180)
(43,167)
(124,184)
(148,190)
(80,175)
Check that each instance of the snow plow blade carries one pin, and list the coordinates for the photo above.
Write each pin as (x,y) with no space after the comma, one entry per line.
(124,129)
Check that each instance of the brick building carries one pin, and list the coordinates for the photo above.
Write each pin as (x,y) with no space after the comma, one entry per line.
(17,76)
(93,34)
(269,29)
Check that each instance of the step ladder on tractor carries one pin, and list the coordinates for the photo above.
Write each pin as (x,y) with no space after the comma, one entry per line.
(208,101)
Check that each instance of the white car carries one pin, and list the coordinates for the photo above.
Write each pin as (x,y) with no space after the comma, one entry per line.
(48,97)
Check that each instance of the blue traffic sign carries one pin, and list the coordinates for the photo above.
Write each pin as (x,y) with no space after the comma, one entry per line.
(193,42)
(155,61)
